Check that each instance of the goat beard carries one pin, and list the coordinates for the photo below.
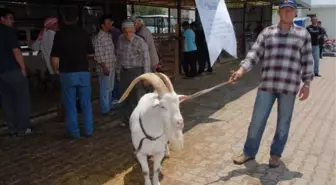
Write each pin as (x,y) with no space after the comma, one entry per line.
(176,140)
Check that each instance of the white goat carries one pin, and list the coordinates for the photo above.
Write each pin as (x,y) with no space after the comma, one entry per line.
(155,121)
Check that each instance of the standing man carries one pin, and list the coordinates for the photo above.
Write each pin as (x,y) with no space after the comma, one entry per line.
(321,40)
(190,51)
(143,31)
(14,87)
(133,60)
(315,33)
(106,62)
(285,51)
(72,46)
(115,37)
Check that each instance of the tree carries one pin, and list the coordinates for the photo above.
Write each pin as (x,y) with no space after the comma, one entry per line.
(148,10)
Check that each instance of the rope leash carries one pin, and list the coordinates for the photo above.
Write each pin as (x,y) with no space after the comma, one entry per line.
(205,91)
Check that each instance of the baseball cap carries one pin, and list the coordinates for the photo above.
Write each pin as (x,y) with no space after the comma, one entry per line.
(288,3)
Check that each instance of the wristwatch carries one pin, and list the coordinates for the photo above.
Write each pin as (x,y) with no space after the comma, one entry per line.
(306,86)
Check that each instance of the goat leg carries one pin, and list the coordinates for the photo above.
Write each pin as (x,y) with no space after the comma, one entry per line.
(144,166)
(157,167)
(167,151)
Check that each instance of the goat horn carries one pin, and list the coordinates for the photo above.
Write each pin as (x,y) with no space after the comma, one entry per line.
(167,81)
(153,79)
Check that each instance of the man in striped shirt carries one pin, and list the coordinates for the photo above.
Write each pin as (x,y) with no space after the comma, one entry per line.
(133,60)
(285,51)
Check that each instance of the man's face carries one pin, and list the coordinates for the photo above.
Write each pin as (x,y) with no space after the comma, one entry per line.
(137,25)
(314,20)
(129,33)
(287,14)
(55,27)
(8,20)
(107,25)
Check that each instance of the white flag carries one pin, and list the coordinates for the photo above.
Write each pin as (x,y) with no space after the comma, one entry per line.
(218,28)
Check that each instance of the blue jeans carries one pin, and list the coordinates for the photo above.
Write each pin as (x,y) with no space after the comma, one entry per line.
(316,56)
(73,85)
(106,91)
(262,108)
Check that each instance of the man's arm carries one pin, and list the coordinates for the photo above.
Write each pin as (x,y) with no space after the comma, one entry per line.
(145,56)
(56,52)
(99,54)
(118,55)
(14,43)
(325,32)
(307,61)
(255,54)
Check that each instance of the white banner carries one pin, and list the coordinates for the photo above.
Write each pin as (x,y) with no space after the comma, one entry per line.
(218,28)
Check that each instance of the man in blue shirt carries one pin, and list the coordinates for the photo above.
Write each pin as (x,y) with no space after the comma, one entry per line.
(190,51)
(14,87)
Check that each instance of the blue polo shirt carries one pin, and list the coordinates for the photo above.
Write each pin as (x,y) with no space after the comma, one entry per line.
(8,42)
(190,43)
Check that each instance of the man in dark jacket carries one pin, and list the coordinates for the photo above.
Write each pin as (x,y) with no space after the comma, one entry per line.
(14,87)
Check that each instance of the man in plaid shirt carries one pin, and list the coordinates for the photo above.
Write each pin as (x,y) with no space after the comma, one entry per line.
(106,62)
(133,60)
(286,55)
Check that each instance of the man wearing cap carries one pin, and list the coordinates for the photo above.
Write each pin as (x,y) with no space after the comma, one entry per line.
(45,41)
(285,51)
(144,32)
(133,60)
(315,34)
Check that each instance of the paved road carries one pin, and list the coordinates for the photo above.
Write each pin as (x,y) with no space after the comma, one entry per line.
(216,126)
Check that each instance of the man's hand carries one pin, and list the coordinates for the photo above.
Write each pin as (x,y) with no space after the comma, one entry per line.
(106,71)
(118,76)
(237,74)
(24,72)
(304,93)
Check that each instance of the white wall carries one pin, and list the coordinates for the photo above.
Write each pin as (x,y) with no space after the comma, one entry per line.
(326,15)
(322,3)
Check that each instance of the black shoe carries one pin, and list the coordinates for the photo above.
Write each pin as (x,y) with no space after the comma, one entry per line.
(318,75)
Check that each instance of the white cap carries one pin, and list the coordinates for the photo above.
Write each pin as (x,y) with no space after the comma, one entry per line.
(127,24)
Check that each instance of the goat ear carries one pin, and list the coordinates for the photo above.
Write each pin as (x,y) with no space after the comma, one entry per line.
(156,102)
(182,97)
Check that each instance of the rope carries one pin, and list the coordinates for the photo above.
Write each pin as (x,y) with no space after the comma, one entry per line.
(205,91)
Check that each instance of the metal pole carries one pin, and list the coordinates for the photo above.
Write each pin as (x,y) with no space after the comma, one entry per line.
(132,8)
(169,21)
(179,35)
(244,21)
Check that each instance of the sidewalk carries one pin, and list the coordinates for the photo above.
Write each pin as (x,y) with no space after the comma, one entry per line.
(216,126)
(210,145)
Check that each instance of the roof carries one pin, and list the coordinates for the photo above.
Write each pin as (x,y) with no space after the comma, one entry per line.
(185,4)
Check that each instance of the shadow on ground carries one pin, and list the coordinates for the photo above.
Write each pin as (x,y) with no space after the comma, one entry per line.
(259,174)
(48,158)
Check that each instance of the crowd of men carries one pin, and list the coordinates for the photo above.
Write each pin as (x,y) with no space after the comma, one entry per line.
(67,50)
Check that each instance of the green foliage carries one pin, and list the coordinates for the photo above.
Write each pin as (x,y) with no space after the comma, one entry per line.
(148,10)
